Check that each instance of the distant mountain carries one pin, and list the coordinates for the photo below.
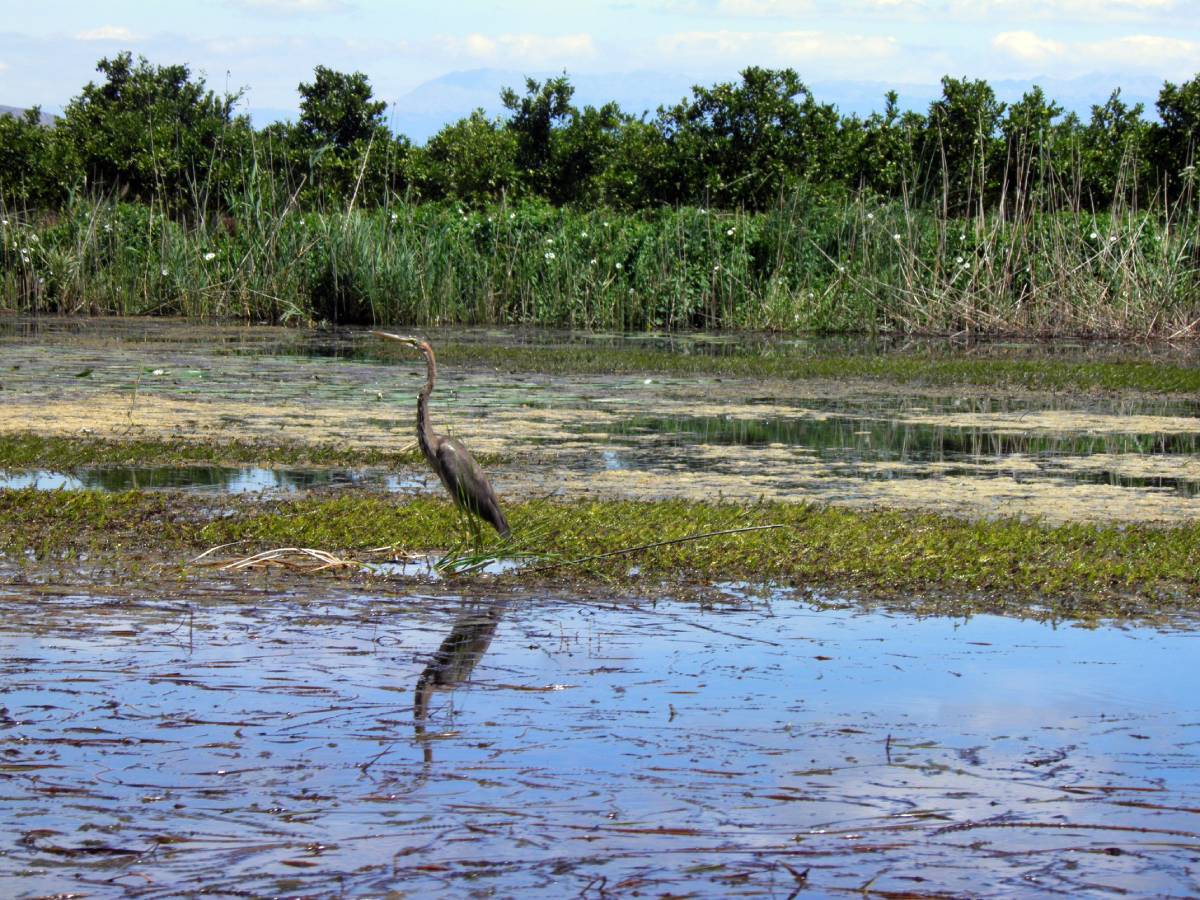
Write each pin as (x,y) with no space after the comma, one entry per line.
(423,111)
(46,118)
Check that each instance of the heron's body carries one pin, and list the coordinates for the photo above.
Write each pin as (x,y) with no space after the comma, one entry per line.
(456,468)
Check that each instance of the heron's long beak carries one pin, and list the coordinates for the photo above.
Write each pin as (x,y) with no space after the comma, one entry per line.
(402,338)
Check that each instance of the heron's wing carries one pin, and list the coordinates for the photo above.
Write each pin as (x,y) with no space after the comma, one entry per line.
(465,481)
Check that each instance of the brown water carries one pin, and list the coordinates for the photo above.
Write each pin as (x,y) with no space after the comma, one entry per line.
(296,738)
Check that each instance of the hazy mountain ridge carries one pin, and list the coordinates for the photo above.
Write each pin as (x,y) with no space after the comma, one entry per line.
(19,112)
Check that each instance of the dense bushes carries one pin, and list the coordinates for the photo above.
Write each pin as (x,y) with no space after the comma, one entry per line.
(156,134)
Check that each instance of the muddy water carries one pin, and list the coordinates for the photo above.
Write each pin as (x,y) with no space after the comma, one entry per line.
(966,451)
(277,740)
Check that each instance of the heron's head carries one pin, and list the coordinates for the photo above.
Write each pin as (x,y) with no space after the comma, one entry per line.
(402,338)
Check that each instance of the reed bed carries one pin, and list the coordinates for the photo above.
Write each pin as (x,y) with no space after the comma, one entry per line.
(813,262)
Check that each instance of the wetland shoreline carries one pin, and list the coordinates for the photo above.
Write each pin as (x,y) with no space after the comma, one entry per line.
(1004,479)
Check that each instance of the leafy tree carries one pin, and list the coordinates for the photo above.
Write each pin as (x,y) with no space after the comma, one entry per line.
(637,170)
(961,142)
(883,148)
(473,159)
(1113,158)
(337,109)
(533,119)
(742,143)
(578,151)
(1177,140)
(1028,130)
(152,131)
(31,172)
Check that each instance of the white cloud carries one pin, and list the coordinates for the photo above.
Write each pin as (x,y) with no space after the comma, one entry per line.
(764,7)
(1145,52)
(107,33)
(812,52)
(1090,11)
(1151,54)
(532,50)
(1007,10)
(1027,46)
(295,7)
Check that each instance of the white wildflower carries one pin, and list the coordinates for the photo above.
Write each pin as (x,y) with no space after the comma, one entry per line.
(896,237)
(210,256)
(583,234)
(870,217)
(730,232)
(958,259)
(511,216)
(107,227)
(717,267)
(593,261)
(842,269)
(164,273)
(549,240)
(1093,235)
(395,218)
(549,254)
(605,224)
(619,267)
(33,238)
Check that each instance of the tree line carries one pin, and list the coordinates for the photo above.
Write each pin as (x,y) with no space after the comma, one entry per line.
(159,134)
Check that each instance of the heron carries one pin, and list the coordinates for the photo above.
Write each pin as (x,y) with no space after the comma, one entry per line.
(449,458)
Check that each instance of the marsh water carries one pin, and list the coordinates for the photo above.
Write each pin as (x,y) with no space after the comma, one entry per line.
(975,451)
(244,735)
(305,738)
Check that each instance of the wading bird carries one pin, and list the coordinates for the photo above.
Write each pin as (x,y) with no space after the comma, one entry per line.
(454,464)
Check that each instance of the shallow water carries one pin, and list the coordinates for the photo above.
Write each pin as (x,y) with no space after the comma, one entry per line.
(205,479)
(273,739)
(1065,456)
(845,439)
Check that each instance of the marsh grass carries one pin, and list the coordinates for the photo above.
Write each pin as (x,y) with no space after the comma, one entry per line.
(956,565)
(813,262)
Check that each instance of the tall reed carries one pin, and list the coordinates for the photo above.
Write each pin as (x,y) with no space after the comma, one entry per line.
(840,262)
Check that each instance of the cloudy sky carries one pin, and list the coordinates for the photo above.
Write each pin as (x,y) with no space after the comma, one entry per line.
(48,50)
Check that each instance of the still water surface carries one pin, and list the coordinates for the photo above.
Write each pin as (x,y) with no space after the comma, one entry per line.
(277,739)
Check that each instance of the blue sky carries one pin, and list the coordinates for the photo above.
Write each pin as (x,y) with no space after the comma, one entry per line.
(48,50)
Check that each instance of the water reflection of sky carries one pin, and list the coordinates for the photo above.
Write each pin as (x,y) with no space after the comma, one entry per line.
(765,733)
(219,479)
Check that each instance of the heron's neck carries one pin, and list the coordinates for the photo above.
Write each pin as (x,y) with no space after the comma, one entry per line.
(425,437)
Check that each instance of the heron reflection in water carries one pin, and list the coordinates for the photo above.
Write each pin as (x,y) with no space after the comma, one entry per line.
(452,665)
(456,468)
